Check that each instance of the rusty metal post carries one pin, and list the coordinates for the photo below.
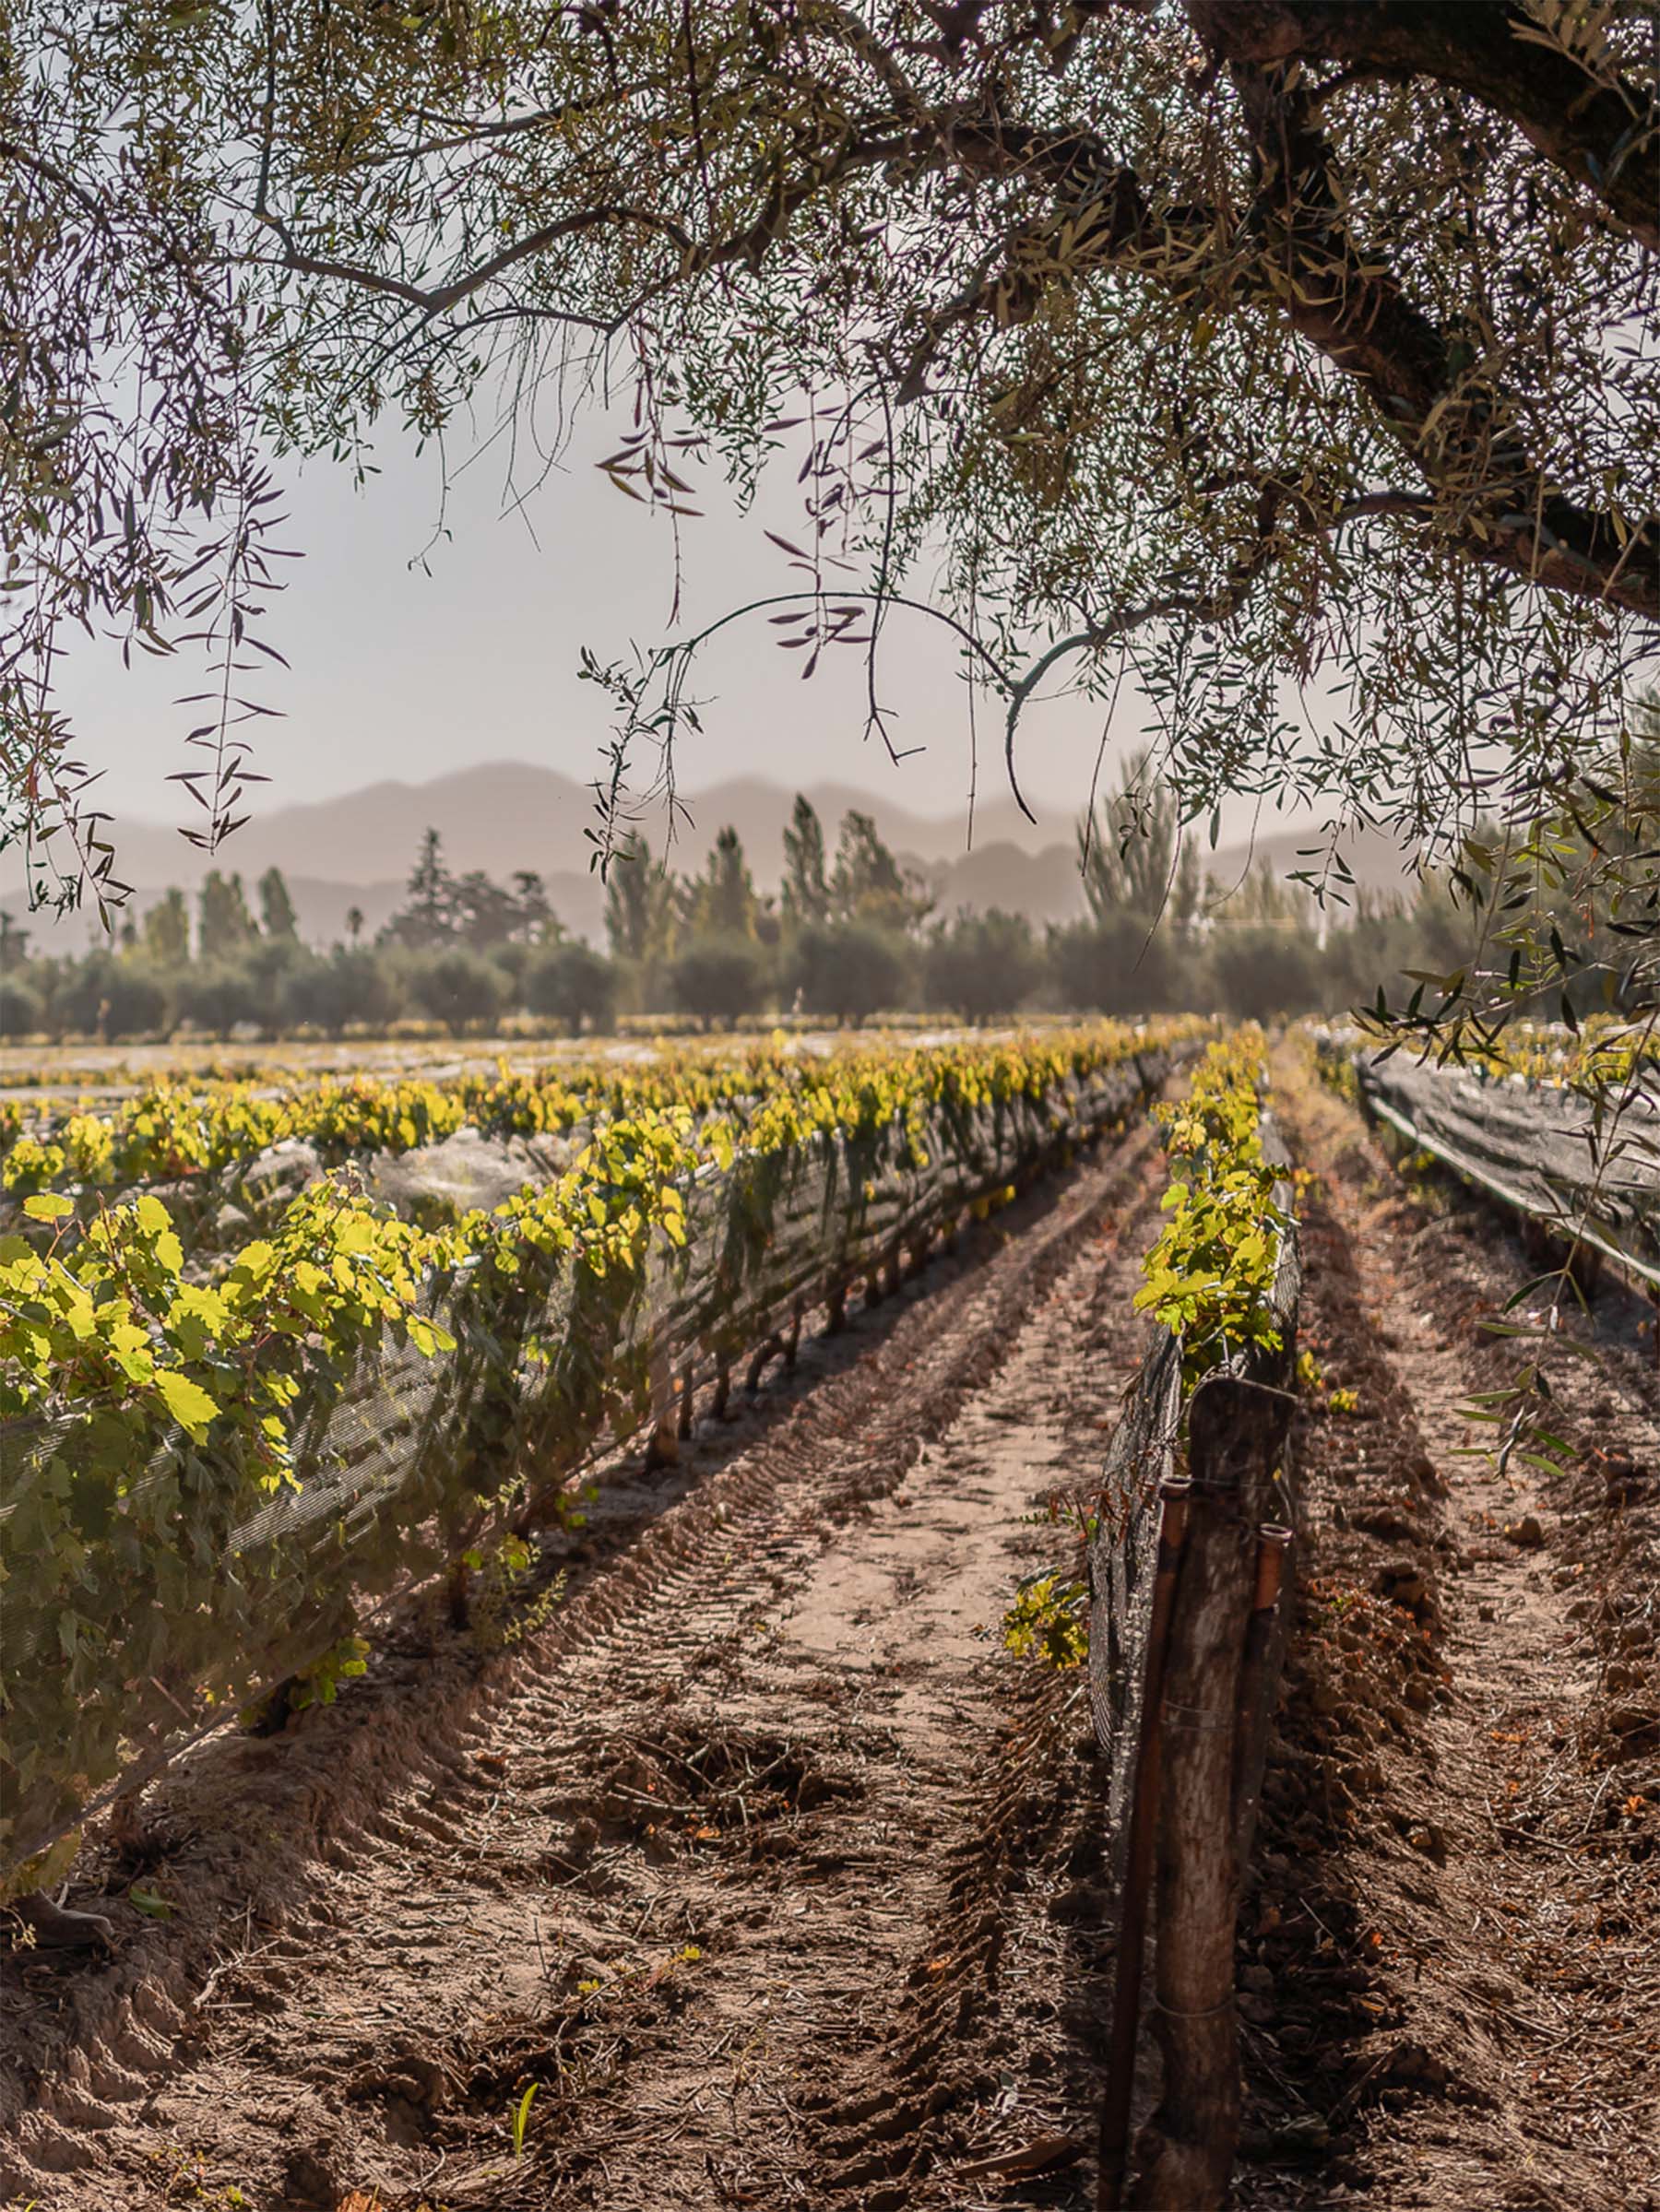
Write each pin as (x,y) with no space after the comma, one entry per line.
(1256,1681)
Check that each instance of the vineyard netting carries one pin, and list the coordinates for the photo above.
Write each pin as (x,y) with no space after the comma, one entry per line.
(1566,1130)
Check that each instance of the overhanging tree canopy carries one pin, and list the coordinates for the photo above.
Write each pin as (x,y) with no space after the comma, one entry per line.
(1298,357)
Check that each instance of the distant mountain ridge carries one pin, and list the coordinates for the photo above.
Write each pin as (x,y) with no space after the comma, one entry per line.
(501,816)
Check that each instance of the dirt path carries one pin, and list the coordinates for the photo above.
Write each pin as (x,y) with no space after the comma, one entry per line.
(1454,1993)
(759,1858)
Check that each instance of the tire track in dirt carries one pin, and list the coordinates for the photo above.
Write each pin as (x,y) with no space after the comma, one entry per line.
(1449,1969)
(723,1857)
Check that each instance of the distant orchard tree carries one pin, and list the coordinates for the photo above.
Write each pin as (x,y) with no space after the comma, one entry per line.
(718,979)
(1261,972)
(850,971)
(20,1009)
(1121,964)
(983,964)
(457,987)
(267,965)
(217,996)
(111,999)
(277,914)
(572,984)
(331,994)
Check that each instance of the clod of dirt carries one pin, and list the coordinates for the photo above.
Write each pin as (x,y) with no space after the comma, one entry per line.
(1526,1534)
(678,1778)
(308,2180)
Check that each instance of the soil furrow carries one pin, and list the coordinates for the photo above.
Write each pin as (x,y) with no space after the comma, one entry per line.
(727,1857)
(1451,1986)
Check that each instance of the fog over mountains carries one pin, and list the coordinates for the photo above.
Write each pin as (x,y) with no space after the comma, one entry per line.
(357,850)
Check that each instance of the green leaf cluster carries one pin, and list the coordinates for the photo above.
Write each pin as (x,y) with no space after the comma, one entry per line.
(1209,1278)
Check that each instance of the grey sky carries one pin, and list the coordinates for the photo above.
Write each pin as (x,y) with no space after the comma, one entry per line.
(395,672)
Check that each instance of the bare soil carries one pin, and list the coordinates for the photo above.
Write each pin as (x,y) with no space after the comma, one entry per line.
(749,1852)
(758,1858)
(1450,1973)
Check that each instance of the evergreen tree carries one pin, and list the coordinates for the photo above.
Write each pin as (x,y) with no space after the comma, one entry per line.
(431,889)
(1187,889)
(721,901)
(427,917)
(1263,901)
(806,891)
(868,884)
(481,912)
(639,905)
(167,930)
(537,923)
(223,923)
(1128,851)
(276,908)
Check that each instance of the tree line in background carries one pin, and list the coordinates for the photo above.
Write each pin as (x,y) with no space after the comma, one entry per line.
(850,934)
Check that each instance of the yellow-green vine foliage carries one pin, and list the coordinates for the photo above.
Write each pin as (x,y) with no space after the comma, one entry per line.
(209,1472)
(174,1130)
(1210,1276)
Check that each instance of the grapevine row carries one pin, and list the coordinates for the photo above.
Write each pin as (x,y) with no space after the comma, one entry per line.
(205,1478)
(172,1131)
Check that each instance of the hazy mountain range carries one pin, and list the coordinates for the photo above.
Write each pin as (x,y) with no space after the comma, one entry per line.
(357,850)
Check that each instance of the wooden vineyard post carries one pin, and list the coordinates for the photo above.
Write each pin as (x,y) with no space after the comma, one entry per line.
(1236,1431)
(688,1403)
(457,1591)
(666,1404)
(1144,1812)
